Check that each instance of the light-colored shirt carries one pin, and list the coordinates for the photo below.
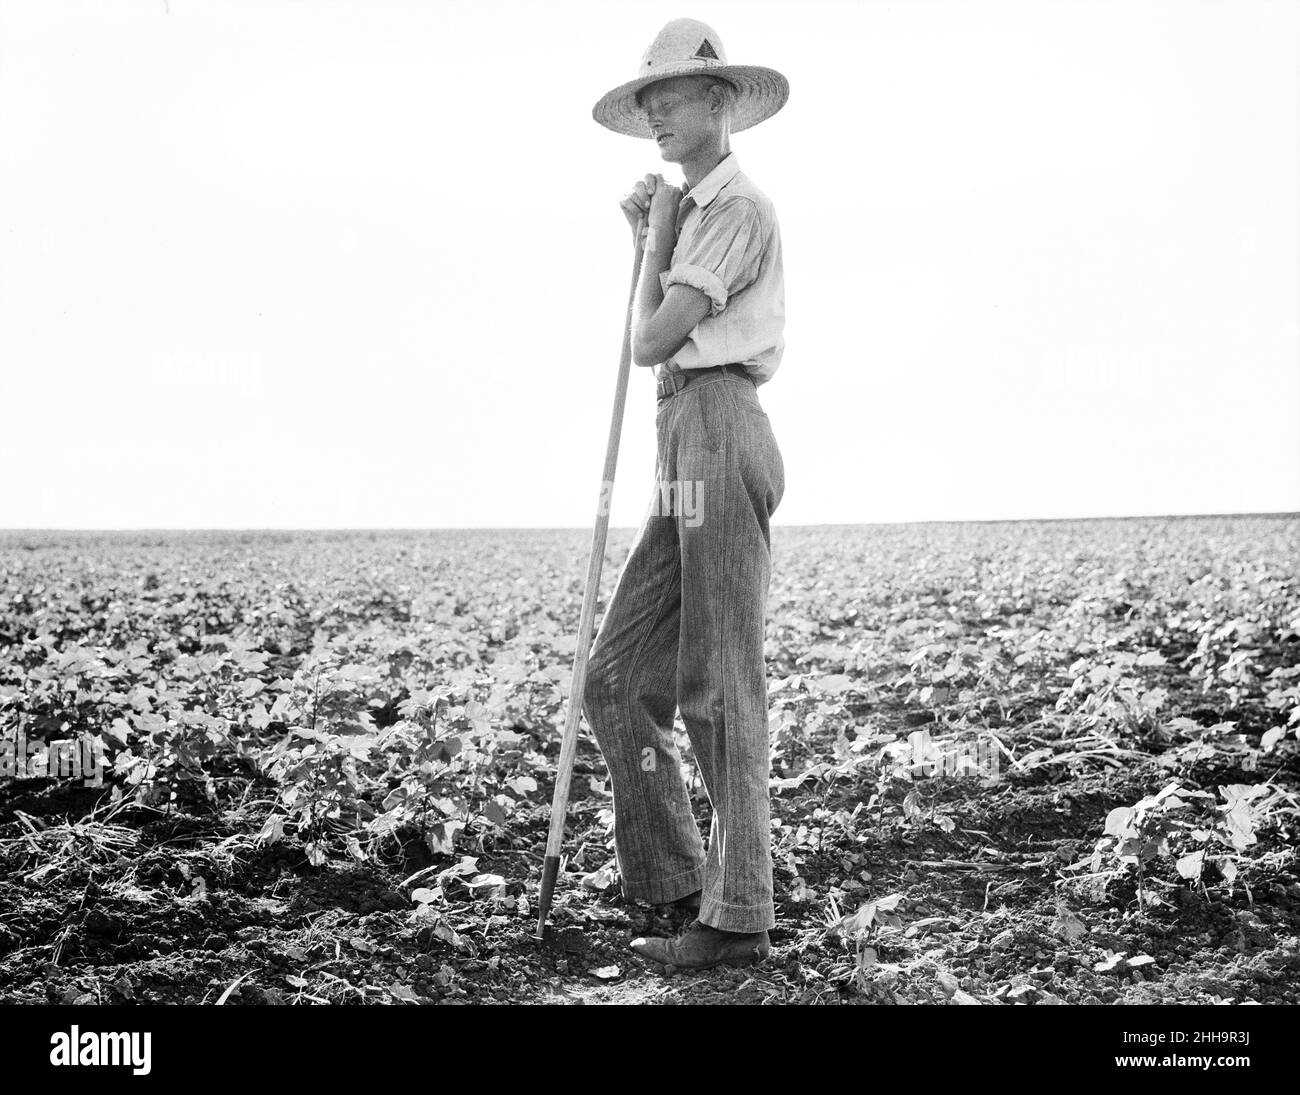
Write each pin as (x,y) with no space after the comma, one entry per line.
(729,248)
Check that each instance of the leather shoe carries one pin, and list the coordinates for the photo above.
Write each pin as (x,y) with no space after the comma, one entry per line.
(700,947)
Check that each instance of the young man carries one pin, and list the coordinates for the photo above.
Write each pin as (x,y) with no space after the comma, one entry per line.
(685,626)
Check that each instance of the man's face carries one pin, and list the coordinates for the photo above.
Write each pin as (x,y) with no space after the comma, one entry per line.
(679,116)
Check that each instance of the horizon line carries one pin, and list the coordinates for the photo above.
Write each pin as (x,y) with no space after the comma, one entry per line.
(633,528)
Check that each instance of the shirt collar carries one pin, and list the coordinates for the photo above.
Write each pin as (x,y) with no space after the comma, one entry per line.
(707,188)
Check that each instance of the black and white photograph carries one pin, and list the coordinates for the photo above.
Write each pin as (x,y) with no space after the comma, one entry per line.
(756,504)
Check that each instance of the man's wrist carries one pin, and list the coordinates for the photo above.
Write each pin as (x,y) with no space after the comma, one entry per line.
(661,241)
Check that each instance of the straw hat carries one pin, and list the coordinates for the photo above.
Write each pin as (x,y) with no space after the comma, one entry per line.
(687,47)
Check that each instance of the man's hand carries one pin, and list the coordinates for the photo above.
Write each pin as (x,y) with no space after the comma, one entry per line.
(662,321)
(651,202)
(663,206)
(636,203)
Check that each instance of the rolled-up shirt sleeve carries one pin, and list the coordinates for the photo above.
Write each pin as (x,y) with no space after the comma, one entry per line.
(722,257)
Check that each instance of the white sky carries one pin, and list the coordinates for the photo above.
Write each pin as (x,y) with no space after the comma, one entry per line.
(361,264)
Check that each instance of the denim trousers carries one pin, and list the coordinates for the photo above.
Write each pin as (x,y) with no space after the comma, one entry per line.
(684,631)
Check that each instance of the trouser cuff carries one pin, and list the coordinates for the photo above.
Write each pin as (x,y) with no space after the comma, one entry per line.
(664,891)
(737,918)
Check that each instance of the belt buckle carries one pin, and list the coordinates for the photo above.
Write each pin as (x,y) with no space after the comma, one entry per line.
(671,384)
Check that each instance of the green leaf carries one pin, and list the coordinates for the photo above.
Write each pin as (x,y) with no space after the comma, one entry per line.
(441,838)
(446,748)
(870,914)
(1239,824)
(1117,821)
(1191,865)
(833,683)
(522,785)
(495,881)
(272,829)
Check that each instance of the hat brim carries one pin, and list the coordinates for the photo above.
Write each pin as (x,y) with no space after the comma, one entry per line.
(760,93)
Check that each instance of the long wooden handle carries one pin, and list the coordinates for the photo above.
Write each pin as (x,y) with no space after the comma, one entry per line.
(569,744)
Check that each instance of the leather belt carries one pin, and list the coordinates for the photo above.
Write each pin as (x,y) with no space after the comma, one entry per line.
(674,382)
